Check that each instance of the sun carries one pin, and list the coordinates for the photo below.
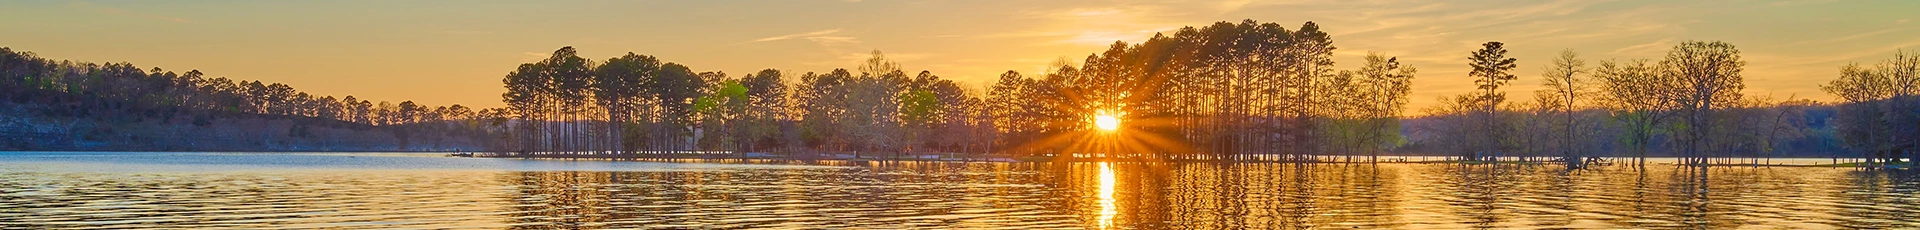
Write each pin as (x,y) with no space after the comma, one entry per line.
(1106,122)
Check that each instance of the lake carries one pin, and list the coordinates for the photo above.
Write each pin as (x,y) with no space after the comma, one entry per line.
(418,190)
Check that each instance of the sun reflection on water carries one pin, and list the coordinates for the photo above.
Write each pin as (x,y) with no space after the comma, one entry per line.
(1106,196)
(898,195)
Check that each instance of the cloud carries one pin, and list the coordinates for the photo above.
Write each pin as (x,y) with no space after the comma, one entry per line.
(1232,5)
(837,49)
(828,39)
(1105,37)
(1087,12)
(846,58)
(1101,25)
(833,40)
(798,35)
(1645,50)
(1832,58)
(1850,37)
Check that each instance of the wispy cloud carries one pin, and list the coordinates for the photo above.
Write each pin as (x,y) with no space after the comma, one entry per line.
(1105,37)
(798,35)
(838,49)
(1645,50)
(1851,37)
(1232,5)
(1100,25)
(845,56)
(1831,58)
(833,40)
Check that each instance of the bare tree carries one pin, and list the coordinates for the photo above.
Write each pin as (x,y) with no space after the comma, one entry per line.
(1569,87)
(1637,95)
(1878,114)
(1708,74)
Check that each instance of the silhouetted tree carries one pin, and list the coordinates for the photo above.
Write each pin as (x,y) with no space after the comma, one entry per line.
(1638,96)
(1490,71)
(1568,88)
(1708,76)
(1881,108)
(621,86)
(766,92)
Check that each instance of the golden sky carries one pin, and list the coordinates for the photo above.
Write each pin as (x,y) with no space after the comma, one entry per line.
(447,52)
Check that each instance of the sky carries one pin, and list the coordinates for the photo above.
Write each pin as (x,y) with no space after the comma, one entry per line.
(456,52)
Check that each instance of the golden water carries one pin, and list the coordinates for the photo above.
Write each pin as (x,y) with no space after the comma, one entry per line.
(970,195)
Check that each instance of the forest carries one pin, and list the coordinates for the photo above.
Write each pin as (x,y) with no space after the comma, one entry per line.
(74,106)
(1226,91)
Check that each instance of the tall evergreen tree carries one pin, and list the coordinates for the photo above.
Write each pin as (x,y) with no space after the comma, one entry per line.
(1491,68)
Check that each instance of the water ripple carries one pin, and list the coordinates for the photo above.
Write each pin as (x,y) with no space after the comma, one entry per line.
(972,196)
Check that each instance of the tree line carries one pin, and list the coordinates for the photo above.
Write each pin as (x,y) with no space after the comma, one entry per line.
(1880,109)
(115,94)
(635,104)
(1689,105)
(1226,91)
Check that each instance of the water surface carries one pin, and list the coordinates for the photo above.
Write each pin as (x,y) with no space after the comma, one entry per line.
(400,190)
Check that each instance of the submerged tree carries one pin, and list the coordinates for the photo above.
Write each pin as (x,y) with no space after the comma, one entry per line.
(1568,88)
(1490,71)
(1708,76)
(1880,114)
(1372,98)
(1639,97)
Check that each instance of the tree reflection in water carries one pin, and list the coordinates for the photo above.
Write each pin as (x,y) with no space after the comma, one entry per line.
(1127,195)
(891,195)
